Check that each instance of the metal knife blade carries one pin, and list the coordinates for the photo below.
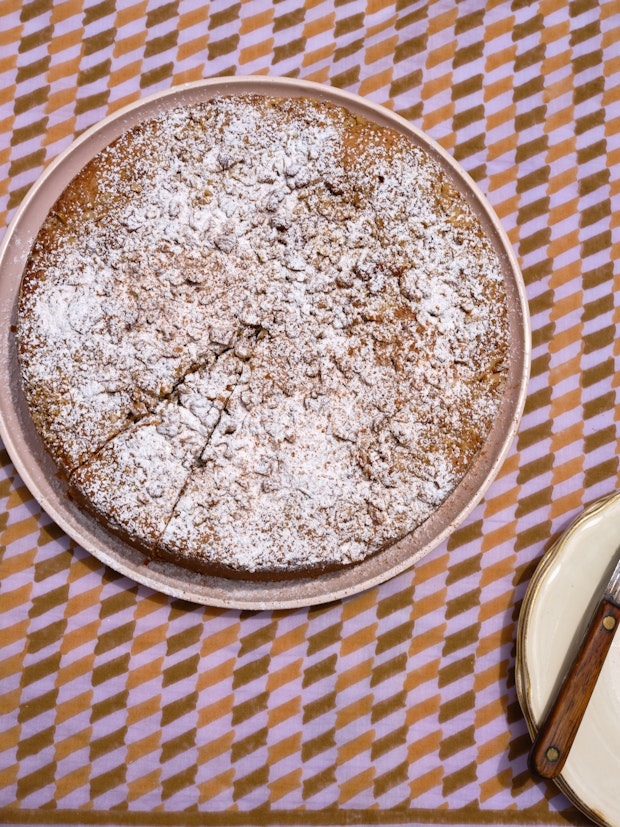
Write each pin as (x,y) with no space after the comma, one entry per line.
(561,722)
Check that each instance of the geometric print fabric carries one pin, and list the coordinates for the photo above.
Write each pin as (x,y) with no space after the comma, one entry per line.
(121,705)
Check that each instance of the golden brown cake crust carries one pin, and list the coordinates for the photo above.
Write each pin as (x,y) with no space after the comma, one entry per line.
(262,337)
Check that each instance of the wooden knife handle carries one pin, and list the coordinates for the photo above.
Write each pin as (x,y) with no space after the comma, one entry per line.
(559,727)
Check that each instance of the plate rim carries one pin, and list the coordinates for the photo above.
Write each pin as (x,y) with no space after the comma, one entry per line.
(297,593)
(522,672)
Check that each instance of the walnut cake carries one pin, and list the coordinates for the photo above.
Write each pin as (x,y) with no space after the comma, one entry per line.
(262,337)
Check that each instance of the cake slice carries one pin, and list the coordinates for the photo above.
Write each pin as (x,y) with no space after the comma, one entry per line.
(134,481)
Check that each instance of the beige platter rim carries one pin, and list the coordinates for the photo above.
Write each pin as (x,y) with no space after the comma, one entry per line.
(38,471)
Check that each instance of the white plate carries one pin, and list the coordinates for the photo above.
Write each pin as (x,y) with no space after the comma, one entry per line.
(38,472)
(560,599)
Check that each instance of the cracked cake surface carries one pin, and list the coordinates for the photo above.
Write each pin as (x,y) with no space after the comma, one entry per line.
(262,337)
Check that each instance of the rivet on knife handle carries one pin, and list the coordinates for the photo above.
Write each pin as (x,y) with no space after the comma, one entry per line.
(559,728)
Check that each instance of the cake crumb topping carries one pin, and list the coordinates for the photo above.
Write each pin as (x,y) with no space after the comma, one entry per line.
(263,335)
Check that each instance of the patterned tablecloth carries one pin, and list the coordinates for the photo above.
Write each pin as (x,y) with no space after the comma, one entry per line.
(397,706)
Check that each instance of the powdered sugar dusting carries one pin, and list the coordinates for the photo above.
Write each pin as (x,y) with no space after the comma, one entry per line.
(281,317)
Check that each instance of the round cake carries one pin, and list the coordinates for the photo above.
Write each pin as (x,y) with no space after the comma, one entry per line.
(262,337)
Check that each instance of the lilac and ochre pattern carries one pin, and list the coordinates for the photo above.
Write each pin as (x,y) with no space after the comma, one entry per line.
(120,705)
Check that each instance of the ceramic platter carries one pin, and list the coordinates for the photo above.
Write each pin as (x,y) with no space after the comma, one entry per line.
(559,602)
(38,472)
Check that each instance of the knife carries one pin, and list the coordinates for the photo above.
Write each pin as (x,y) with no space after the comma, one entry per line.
(561,721)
